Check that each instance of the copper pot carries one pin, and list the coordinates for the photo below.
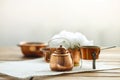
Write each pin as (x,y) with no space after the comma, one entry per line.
(90,53)
(32,49)
(61,60)
(87,52)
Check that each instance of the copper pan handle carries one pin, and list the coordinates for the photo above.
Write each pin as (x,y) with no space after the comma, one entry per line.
(108,47)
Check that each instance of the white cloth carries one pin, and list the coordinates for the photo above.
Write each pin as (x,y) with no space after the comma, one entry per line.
(37,67)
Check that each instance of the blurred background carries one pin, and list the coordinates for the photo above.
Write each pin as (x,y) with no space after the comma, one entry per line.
(39,20)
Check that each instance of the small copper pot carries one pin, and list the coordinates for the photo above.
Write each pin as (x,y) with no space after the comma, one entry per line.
(32,49)
(87,52)
(90,53)
(61,60)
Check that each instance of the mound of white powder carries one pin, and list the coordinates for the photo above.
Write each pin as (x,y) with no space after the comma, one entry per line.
(69,40)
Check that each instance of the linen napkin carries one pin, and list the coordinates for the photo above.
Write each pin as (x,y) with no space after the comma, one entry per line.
(38,67)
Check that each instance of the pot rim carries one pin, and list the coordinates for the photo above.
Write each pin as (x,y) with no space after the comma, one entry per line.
(89,47)
(32,44)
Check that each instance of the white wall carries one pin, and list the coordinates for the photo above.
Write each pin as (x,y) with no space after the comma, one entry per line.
(38,20)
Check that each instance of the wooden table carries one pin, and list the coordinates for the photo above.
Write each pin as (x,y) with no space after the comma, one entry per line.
(110,56)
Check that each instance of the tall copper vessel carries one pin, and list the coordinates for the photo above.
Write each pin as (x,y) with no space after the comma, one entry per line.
(76,56)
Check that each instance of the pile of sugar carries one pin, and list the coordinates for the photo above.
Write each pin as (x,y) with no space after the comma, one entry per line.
(69,40)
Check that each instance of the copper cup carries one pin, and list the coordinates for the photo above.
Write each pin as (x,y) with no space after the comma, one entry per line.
(75,53)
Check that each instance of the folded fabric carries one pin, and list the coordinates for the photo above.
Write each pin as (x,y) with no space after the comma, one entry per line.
(37,67)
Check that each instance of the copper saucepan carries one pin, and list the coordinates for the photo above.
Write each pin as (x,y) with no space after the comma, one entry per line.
(92,53)
(87,51)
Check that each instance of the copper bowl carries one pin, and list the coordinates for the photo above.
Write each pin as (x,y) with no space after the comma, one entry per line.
(32,49)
